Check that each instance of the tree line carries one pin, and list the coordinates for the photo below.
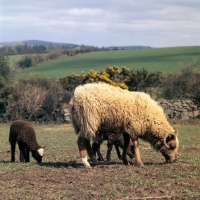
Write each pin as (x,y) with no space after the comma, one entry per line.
(42,99)
(36,54)
(40,49)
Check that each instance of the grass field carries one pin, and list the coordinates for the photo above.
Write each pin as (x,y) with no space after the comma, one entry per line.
(62,175)
(155,59)
(13,59)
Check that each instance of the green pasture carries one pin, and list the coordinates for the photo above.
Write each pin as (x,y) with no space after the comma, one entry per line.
(154,60)
(15,58)
(62,175)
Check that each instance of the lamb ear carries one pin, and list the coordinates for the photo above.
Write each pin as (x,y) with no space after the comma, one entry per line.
(44,147)
(41,151)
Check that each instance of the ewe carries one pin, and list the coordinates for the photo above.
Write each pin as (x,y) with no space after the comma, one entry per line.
(99,107)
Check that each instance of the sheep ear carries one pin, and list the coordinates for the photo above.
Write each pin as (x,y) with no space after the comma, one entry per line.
(168,138)
(176,133)
(41,151)
(44,147)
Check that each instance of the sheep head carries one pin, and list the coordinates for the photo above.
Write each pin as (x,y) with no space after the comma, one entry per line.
(169,148)
(38,154)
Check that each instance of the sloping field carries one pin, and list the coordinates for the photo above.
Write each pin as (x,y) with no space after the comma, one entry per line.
(155,59)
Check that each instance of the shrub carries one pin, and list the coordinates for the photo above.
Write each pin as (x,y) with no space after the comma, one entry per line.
(183,84)
(25,62)
(5,70)
(34,97)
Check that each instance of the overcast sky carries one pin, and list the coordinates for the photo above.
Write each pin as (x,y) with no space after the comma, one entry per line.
(155,23)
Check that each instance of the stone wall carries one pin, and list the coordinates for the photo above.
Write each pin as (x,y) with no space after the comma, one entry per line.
(180,109)
(66,114)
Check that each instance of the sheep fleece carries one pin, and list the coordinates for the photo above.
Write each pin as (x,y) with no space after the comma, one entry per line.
(97,107)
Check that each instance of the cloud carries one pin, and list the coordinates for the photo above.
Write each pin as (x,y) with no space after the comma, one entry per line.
(102,23)
(84,12)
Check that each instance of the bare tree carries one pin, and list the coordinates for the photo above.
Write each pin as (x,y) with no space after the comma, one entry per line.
(36,97)
(31,99)
(27,101)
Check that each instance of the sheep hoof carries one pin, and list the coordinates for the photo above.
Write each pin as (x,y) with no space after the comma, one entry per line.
(126,163)
(140,164)
(85,162)
(94,160)
(87,165)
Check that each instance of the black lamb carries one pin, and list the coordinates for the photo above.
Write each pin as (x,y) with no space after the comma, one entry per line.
(112,139)
(24,134)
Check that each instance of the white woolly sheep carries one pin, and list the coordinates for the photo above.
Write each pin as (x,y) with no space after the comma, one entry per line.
(24,134)
(99,107)
(114,139)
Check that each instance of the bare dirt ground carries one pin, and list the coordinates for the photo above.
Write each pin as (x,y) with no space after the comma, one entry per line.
(63,176)
(70,180)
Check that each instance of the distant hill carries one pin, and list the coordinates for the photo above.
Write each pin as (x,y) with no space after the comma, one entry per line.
(38,43)
(128,47)
(53,44)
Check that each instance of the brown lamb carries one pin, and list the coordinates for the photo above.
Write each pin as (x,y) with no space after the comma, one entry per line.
(24,134)
(114,139)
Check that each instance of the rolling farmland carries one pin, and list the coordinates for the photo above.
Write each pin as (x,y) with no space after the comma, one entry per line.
(154,60)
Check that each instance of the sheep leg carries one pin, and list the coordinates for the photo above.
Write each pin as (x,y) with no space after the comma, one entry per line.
(112,140)
(13,144)
(22,151)
(90,152)
(96,149)
(118,151)
(84,148)
(126,143)
(131,152)
(27,157)
(108,156)
(137,153)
